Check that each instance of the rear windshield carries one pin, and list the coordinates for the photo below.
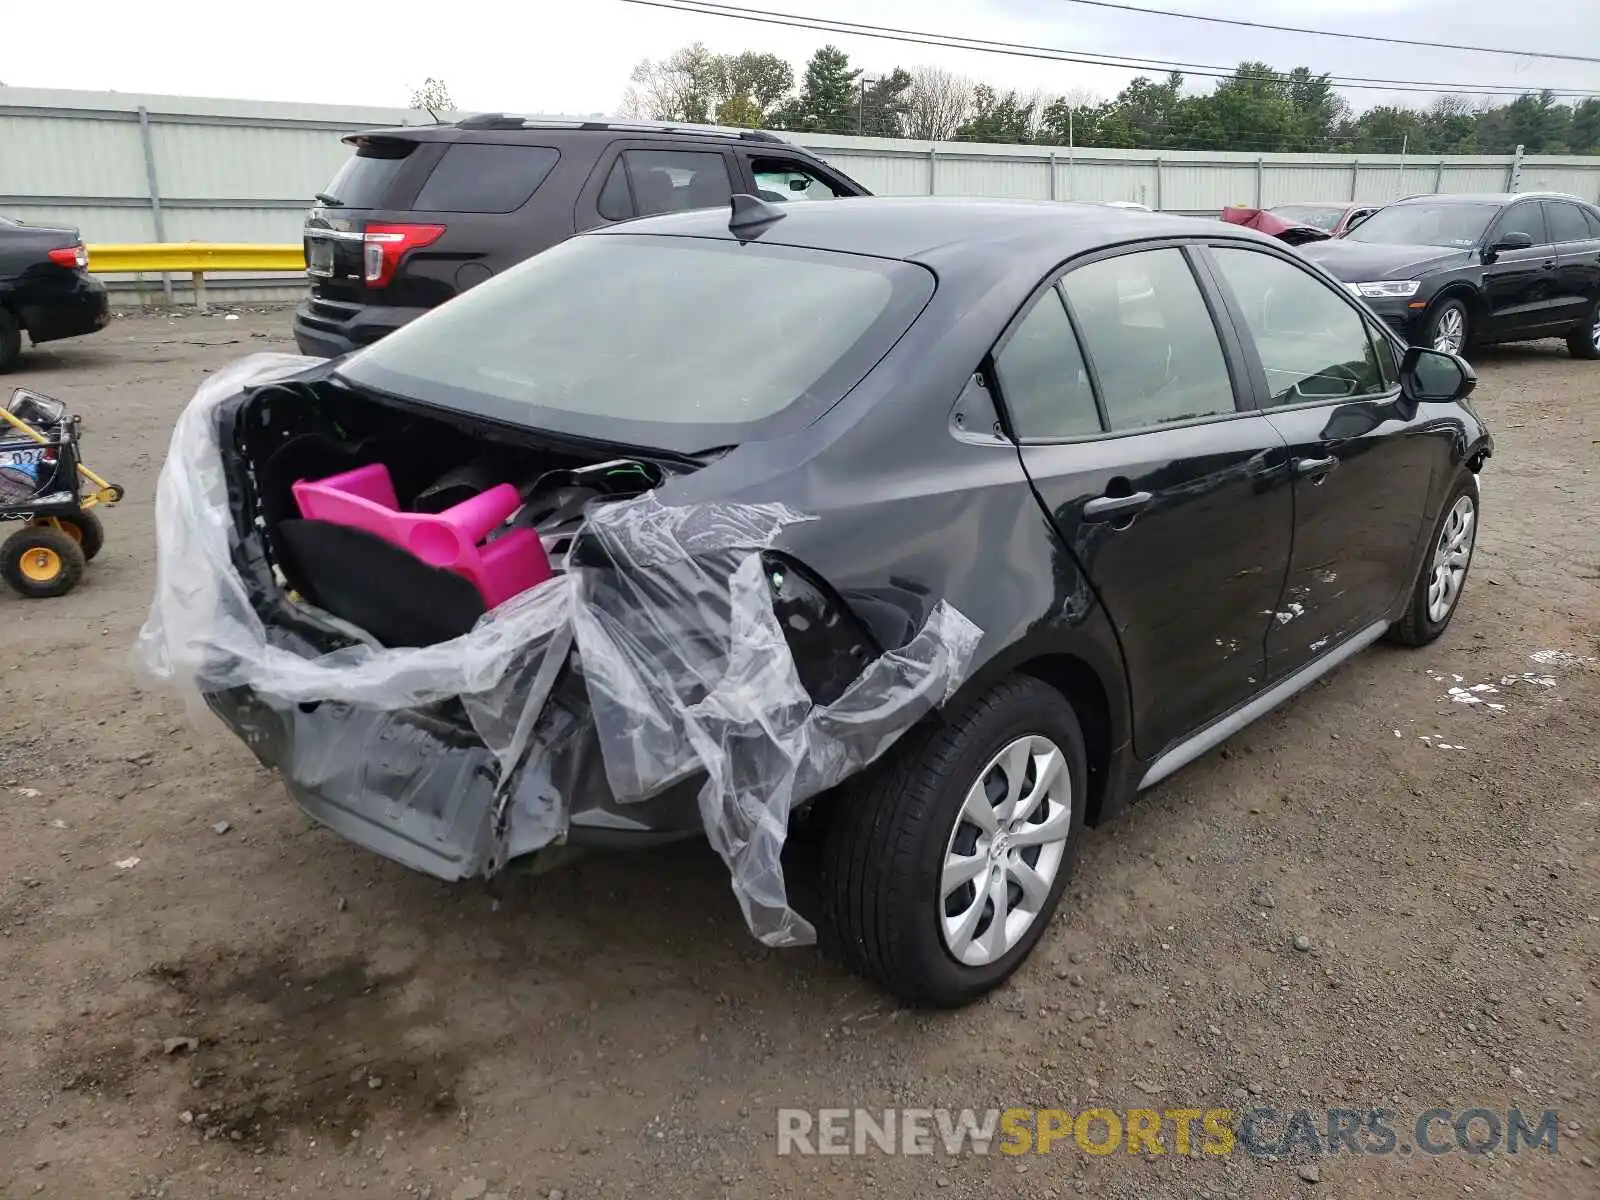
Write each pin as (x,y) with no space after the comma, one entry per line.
(683,343)
(364,181)
(1458,225)
(1319,216)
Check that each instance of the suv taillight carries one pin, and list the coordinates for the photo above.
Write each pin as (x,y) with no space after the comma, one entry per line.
(70,256)
(383,246)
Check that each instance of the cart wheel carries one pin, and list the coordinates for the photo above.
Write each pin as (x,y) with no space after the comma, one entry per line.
(84,528)
(39,562)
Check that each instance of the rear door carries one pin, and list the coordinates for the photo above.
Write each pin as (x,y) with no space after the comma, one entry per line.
(1577,254)
(646,178)
(1132,415)
(1519,283)
(1362,460)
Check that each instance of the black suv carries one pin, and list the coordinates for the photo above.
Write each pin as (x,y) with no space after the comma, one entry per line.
(1452,272)
(421,213)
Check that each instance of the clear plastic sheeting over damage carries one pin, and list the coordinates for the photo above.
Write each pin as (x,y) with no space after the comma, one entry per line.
(665,612)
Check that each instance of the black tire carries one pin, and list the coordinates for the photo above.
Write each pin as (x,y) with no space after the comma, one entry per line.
(1437,316)
(884,850)
(10,340)
(1418,627)
(86,530)
(30,550)
(1584,341)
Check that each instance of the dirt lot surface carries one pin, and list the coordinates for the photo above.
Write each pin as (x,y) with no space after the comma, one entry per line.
(612,1030)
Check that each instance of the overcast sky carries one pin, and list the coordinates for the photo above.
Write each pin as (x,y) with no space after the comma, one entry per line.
(573,56)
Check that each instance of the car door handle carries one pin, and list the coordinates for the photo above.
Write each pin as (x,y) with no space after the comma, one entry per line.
(1549,264)
(1314,468)
(1115,508)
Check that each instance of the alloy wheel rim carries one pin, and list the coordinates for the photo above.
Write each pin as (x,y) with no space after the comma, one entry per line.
(1005,851)
(1451,557)
(1594,331)
(1449,333)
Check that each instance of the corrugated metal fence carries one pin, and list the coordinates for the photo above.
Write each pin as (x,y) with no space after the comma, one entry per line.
(133,168)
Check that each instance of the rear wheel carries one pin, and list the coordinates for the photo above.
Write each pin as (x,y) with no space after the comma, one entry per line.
(1584,341)
(1444,571)
(40,563)
(944,862)
(1448,328)
(84,528)
(10,340)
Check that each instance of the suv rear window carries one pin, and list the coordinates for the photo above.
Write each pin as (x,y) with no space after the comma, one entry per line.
(644,183)
(364,180)
(668,335)
(485,178)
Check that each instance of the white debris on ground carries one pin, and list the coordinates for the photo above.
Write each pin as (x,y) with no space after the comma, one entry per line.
(1559,658)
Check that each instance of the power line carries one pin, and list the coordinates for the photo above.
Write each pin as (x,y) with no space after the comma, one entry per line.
(1052,54)
(1359,37)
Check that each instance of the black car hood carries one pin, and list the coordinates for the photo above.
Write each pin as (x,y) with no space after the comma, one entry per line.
(1359,262)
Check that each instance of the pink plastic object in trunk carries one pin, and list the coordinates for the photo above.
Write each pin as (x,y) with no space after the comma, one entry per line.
(364,499)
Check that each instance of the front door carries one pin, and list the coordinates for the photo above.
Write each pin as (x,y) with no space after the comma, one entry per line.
(1170,498)
(1519,284)
(1361,459)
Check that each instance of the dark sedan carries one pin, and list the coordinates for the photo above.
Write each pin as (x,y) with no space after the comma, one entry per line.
(1453,272)
(1128,481)
(46,290)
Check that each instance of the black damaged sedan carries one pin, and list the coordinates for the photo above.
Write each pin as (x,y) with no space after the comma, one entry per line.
(46,291)
(1173,473)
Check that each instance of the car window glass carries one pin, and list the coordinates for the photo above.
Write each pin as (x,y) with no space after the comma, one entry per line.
(364,180)
(1451,223)
(616,204)
(485,178)
(1566,222)
(1043,380)
(1525,218)
(1319,216)
(1313,345)
(1388,362)
(1151,339)
(1593,219)
(788,180)
(666,181)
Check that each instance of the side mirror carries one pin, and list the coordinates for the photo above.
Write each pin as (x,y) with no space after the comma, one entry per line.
(799,183)
(1517,239)
(1435,376)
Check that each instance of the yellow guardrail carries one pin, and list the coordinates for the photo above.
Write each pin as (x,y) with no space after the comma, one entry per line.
(193,259)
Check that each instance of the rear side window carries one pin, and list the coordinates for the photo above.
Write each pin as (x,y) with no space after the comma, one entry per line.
(1566,222)
(1593,220)
(364,181)
(1042,376)
(486,178)
(644,183)
(1150,339)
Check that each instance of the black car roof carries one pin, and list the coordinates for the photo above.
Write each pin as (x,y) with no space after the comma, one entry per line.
(1486,197)
(945,229)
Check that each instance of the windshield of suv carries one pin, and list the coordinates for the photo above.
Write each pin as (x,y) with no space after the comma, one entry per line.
(655,332)
(1455,225)
(1319,216)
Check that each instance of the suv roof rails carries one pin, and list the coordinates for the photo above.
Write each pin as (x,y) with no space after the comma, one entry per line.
(507,121)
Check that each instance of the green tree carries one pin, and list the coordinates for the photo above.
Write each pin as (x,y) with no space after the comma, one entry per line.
(1583,130)
(828,97)
(885,104)
(997,118)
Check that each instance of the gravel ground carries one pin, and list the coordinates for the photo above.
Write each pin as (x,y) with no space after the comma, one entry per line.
(612,1030)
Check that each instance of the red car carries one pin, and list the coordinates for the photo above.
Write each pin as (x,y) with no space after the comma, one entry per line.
(1336,218)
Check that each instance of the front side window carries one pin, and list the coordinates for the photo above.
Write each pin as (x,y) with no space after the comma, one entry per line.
(644,183)
(1150,339)
(1313,345)
(786,180)
(1042,376)
(1457,225)
(1527,218)
(673,333)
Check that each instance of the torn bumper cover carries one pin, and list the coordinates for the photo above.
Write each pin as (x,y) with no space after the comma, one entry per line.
(652,674)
